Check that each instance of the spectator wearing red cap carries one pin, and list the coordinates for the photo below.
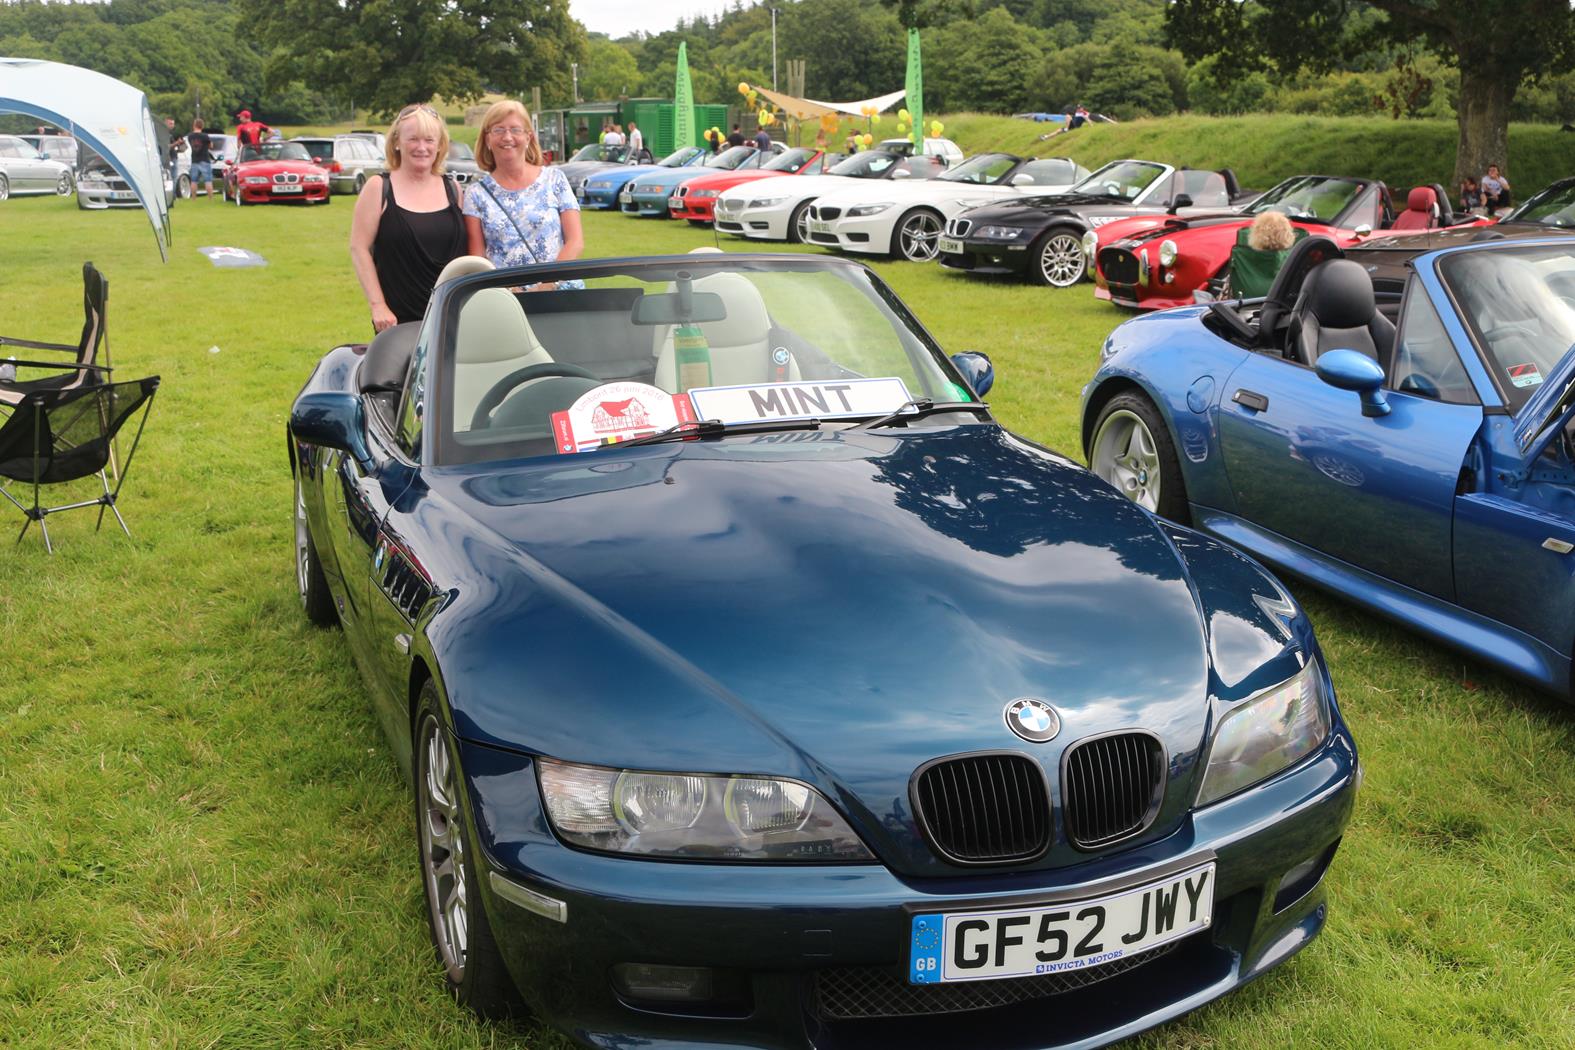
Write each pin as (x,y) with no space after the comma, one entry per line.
(249,132)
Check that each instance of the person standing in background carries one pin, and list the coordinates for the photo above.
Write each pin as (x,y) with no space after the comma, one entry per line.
(249,132)
(407,224)
(735,137)
(177,145)
(520,212)
(201,158)
(636,139)
(762,139)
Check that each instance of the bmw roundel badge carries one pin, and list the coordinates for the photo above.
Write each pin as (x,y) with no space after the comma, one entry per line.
(1033,720)
(780,355)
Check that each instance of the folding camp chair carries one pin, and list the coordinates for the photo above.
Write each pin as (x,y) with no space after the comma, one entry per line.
(54,436)
(1252,270)
(86,370)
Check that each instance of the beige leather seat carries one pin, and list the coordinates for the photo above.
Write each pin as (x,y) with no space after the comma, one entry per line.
(493,339)
(740,343)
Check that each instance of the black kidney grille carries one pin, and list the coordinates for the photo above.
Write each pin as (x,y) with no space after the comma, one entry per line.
(1118,265)
(864,992)
(1111,787)
(826,213)
(984,809)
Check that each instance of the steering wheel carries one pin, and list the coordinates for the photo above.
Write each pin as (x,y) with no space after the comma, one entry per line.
(481,419)
(1508,328)
(1114,189)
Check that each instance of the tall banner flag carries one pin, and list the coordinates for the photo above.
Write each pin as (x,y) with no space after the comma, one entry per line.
(683,102)
(915,85)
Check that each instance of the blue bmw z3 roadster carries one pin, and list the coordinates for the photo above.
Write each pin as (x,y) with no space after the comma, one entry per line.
(1415,454)
(757,688)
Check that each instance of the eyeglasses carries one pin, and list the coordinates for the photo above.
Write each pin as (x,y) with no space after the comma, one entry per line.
(413,107)
(517,131)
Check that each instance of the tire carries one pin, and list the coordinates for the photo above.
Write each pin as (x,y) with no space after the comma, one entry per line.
(240,198)
(798,223)
(915,236)
(63,185)
(5,188)
(309,579)
(360,181)
(451,867)
(1132,450)
(1058,258)
(183,187)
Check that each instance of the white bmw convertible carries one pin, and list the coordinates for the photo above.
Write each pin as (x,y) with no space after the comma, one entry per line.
(906,218)
(766,211)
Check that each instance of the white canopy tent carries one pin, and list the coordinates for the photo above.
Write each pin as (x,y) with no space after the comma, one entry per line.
(106,114)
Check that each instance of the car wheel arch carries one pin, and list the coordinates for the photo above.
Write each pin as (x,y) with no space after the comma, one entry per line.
(1101,396)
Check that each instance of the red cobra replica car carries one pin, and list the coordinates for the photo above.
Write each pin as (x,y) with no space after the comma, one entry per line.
(695,200)
(276,171)
(1154,261)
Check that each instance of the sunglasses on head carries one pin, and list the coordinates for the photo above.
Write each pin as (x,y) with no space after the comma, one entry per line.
(414,106)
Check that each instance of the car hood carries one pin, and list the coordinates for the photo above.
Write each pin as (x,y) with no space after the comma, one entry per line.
(1043,206)
(667,178)
(838,607)
(860,191)
(625,172)
(581,169)
(801,186)
(268,167)
(1449,237)
(723,180)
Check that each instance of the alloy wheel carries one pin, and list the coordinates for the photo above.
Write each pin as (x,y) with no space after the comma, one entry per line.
(918,235)
(443,857)
(801,224)
(303,545)
(1061,260)
(1126,455)
(5,188)
(63,185)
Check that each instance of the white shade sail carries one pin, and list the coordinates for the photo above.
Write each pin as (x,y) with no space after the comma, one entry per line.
(105,114)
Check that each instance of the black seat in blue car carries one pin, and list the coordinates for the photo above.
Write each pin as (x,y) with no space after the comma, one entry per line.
(1336,311)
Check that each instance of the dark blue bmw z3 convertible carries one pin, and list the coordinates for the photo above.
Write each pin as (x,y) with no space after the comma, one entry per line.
(1416,454)
(758,689)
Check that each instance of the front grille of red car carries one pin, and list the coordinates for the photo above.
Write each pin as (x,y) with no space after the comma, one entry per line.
(1118,265)
(287,177)
(873,991)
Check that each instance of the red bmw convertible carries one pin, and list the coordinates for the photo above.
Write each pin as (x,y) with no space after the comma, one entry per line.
(276,171)
(695,200)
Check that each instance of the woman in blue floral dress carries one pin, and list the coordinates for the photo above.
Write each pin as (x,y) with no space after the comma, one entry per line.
(521,211)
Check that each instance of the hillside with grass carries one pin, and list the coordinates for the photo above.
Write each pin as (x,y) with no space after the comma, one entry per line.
(1264,148)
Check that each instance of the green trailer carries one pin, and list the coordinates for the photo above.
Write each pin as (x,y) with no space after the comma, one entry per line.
(655,116)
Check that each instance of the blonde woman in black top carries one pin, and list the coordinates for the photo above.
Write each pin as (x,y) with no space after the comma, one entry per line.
(407,224)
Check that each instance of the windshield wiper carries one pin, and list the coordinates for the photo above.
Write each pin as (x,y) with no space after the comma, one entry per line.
(920,407)
(705,428)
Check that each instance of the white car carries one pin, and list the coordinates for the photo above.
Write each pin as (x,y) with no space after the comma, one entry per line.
(905,219)
(778,209)
(24,170)
(946,150)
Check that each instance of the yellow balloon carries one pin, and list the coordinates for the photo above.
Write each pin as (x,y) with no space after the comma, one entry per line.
(743,88)
(904,116)
(936,127)
(902,129)
(867,138)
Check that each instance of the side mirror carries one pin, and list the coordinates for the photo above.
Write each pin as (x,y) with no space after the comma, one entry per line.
(1022,179)
(332,420)
(1364,230)
(902,173)
(977,370)
(1182,200)
(1349,370)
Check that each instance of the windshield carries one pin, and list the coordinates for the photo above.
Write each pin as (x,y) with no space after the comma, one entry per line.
(682,158)
(732,158)
(865,165)
(276,151)
(1554,206)
(1309,197)
(1520,306)
(986,169)
(514,363)
(792,160)
(1126,179)
(460,151)
(598,152)
(320,149)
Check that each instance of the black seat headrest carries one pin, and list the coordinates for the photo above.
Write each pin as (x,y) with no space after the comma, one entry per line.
(1304,255)
(388,358)
(1340,294)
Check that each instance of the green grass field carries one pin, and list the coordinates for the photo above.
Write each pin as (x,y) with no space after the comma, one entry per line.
(204,841)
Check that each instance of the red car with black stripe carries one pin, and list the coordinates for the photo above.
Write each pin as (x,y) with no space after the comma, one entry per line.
(276,171)
(695,200)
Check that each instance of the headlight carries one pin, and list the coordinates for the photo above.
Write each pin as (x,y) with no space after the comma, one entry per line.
(695,816)
(974,202)
(1266,734)
(766,202)
(256,180)
(317,178)
(1090,243)
(1168,252)
(868,209)
(597,185)
(91,184)
(705,193)
(998,233)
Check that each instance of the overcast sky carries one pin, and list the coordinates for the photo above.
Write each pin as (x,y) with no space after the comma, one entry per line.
(618,18)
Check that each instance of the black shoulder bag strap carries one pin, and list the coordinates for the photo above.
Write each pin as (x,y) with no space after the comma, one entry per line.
(507,214)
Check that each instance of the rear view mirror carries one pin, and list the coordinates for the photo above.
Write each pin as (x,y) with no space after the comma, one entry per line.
(902,173)
(1023,179)
(672,308)
(1352,370)
(1364,230)
(1183,200)
(332,420)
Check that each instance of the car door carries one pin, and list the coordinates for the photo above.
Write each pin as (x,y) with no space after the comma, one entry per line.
(1377,492)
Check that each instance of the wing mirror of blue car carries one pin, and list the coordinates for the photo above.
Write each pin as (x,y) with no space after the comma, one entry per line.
(1350,370)
(977,370)
(332,420)
(1182,200)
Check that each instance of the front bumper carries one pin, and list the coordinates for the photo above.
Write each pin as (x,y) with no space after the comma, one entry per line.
(598,199)
(1008,257)
(274,193)
(695,209)
(646,203)
(121,196)
(868,235)
(761,224)
(1126,278)
(791,941)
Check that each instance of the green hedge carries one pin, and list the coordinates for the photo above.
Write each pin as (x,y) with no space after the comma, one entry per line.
(1264,148)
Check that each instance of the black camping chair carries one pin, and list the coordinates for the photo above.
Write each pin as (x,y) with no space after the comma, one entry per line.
(86,370)
(63,435)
